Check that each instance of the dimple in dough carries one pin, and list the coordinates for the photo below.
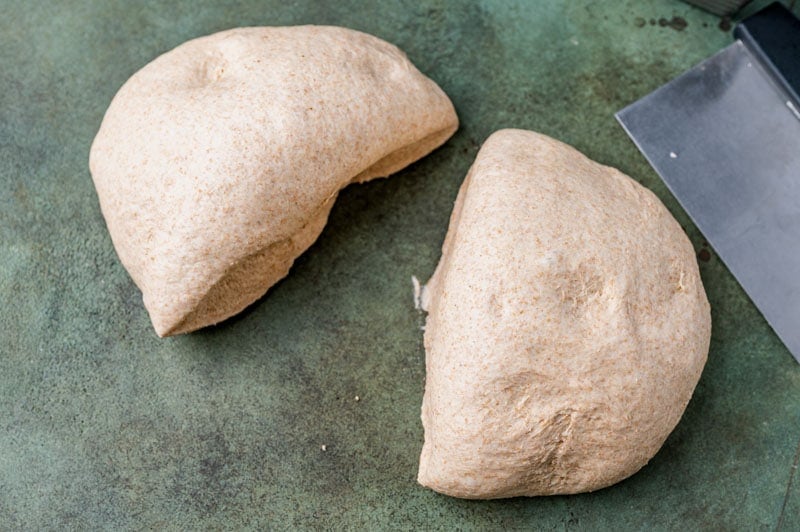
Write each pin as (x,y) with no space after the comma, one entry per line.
(567,326)
(217,164)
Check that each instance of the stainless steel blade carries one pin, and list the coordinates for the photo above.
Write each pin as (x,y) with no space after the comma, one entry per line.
(726,140)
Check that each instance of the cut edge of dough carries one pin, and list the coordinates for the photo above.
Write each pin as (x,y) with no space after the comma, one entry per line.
(256,273)
(245,282)
(430,288)
(408,154)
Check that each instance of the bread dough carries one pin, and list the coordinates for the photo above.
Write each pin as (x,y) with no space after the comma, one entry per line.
(567,326)
(216,164)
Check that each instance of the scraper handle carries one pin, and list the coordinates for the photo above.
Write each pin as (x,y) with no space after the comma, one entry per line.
(773,35)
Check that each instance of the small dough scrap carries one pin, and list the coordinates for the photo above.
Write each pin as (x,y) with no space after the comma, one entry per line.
(217,164)
(567,326)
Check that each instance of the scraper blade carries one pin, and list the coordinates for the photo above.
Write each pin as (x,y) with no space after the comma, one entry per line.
(725,138)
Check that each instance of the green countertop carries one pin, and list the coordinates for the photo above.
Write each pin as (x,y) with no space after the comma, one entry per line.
(105,426)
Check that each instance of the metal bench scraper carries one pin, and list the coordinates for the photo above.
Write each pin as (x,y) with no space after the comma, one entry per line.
(725,138)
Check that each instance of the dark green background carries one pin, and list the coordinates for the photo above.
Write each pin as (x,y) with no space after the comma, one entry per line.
(105,426)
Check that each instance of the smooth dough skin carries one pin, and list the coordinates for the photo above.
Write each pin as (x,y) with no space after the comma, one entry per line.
(217,164)
(567,326)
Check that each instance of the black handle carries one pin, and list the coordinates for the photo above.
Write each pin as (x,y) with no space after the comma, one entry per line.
(773,35)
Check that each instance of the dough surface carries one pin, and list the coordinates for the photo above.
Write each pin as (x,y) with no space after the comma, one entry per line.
(217,164)
(567,326)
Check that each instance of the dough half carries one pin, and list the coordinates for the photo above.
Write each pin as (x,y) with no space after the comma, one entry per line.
(217,164)
(567,326)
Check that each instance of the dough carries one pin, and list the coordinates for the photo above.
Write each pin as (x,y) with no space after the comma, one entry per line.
(567,326)
(217,164)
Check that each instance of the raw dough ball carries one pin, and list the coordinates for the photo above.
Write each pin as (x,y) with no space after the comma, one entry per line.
(567,326)
(216,164)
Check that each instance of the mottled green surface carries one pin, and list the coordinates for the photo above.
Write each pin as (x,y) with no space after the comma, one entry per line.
(105,426)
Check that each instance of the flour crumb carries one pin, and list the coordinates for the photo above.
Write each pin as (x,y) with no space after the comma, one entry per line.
(417,291)
(323,447)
